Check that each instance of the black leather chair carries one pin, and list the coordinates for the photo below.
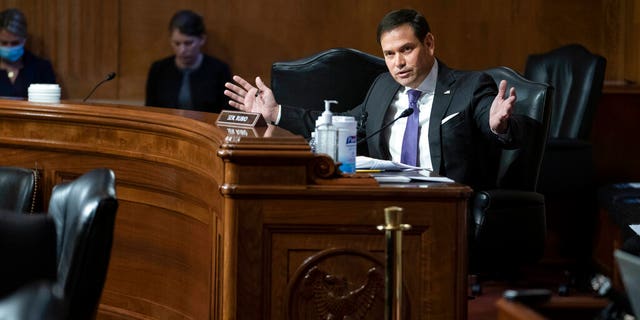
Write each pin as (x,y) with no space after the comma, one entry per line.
(17,189)
(508,224)
(83,214)
(567,176)
(341,74)
(577,76)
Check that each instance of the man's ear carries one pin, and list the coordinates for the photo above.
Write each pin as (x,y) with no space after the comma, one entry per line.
(429,42)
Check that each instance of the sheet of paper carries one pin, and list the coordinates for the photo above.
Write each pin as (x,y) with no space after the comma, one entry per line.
(392,179)
(396,172)
(425,175)
(363,162)
(407,176)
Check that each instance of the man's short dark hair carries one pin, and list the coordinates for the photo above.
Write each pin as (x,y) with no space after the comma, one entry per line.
(397,18)
(187,22)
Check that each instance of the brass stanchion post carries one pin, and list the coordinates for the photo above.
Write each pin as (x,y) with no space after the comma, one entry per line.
(393,270)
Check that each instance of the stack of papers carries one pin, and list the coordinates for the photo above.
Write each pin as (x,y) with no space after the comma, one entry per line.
(395,172)
(363,162)
(408,176)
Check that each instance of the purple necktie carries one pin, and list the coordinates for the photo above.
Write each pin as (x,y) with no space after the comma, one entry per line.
(409,153)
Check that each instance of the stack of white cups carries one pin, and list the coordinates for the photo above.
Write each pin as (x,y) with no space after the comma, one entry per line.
(44,92)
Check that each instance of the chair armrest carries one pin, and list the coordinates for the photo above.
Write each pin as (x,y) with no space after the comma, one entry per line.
(506,199)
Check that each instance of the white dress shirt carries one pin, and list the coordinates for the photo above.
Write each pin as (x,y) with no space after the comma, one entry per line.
(395,133)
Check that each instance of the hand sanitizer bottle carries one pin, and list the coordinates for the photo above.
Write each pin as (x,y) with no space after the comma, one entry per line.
(326,133)
(346,142)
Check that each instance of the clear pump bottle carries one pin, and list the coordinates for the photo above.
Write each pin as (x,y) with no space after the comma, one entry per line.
(326,132)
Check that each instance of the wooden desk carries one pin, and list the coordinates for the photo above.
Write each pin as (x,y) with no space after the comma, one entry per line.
(560,308)
(225,224)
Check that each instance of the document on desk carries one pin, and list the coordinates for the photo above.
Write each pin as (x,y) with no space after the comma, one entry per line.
(409,176)
(368,163)
(385,171)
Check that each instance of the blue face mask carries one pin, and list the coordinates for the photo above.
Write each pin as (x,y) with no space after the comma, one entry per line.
(12,53)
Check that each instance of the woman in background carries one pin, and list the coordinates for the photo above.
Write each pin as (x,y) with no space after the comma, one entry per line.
(189,79)
(19,68)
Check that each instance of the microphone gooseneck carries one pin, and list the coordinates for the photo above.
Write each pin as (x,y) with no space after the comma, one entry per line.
(407,112)
(109,77)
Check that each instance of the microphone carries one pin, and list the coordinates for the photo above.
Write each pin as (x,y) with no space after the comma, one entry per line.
(109,77)
(407,112)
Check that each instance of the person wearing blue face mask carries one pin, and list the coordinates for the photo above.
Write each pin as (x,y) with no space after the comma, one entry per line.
(19,68)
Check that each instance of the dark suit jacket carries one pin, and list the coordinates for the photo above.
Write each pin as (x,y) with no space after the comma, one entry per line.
(463,149)
(207,84)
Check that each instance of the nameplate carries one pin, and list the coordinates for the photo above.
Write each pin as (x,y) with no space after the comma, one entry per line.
(241,119)
(240,131)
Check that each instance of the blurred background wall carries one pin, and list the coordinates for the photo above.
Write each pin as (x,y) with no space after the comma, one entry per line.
(86,39)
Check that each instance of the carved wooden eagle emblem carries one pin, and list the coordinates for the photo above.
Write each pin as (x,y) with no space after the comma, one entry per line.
(333,299)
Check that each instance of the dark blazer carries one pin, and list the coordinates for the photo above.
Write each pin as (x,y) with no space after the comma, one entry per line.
(34,70)
(463,148)
(207,84)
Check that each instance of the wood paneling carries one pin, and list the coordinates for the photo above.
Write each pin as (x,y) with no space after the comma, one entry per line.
(632,42)
(87,39)
(79,37)
(616,148)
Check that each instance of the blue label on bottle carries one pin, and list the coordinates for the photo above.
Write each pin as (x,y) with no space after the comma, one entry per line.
(348,167)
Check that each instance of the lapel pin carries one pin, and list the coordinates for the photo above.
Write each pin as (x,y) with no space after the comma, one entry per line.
(447,92)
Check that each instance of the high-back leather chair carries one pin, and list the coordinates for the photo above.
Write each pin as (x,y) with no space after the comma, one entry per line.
(577,76)
(340,74)
(520,168)
(17,189)
(508,224)
(84,211)
(81,214)
(567,175)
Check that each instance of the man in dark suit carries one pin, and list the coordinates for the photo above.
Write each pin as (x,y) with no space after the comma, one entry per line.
(463,119)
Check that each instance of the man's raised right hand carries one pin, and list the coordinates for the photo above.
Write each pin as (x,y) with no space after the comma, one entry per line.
(258,99)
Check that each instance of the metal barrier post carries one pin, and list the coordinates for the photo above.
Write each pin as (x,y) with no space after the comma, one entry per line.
(393,270)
